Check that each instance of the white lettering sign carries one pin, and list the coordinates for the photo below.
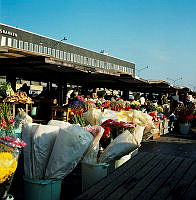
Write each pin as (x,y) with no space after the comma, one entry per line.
(5,32)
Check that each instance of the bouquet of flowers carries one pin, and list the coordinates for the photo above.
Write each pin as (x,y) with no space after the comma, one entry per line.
(9,152)
(135,105)
(185,114)
(112,129)
(6,119)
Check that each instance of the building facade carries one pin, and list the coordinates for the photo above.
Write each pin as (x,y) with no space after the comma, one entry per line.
(27,41)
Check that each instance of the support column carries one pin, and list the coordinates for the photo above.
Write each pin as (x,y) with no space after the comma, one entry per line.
(125,94)
(62,90)
(49,86)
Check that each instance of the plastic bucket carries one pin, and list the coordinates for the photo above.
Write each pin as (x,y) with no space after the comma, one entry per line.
(92,173)
(34,111)
(42,189)
(184,128)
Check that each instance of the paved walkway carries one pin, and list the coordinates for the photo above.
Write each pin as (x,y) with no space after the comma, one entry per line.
(176,145)
(147,176)
(172,144)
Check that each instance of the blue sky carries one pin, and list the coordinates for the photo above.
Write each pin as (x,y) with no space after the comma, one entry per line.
(156,33)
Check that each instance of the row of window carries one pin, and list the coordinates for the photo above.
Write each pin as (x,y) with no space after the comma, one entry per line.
(62,54)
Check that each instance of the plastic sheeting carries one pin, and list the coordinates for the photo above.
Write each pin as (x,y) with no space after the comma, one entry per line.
(92,153)
(28,132)
(121,145)
(59,123)
(42,143)
(71,144)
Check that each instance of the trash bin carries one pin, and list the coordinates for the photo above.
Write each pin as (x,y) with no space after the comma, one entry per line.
(42,189)
(92,173)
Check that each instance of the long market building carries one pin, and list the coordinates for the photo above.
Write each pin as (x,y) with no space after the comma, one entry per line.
(34,57)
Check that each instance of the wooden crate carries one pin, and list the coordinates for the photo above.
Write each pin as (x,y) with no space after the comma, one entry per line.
(156,134)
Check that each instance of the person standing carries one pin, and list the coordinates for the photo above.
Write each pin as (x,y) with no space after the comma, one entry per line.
(174,101)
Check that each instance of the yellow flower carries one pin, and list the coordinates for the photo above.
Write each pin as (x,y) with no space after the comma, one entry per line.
(8,165)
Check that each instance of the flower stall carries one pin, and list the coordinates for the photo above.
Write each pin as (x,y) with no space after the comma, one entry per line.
(10,145)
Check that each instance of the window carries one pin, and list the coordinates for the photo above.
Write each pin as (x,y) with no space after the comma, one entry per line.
(35,47)
(105,65)
(87,61)
(30,47)
(9,42)
(65,56)
(40,49)
(49,51)
(53,52)
(75,58)
(26,46)
(78,58)
(71,59)
(45,50)
(90,61)
(3,41)
(57,53)
(82,60)
(15,43)
(20,44)
(98,63)
(101,64)
(61,54)
(68,56)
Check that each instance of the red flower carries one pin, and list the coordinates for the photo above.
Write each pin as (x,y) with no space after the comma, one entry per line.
(189,117)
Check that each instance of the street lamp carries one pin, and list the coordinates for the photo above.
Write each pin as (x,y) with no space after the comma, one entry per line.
(174,81)
(139,70)
(64,38)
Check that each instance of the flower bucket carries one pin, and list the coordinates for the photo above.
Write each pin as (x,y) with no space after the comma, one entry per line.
(42,189)
(92,173)
(34,111)
(184,128)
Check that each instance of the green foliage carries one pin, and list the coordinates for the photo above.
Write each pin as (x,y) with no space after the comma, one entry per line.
(5,89)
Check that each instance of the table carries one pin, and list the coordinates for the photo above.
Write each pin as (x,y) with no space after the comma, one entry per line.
(64,113)
(28,107)
(147,176)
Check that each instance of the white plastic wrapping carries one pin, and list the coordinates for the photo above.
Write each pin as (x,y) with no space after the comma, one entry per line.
(121,145)
(91,155)
(92,116)
(59,123)
(42,144)
(28,132)
(70,146)
(138,134)
(22,118)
